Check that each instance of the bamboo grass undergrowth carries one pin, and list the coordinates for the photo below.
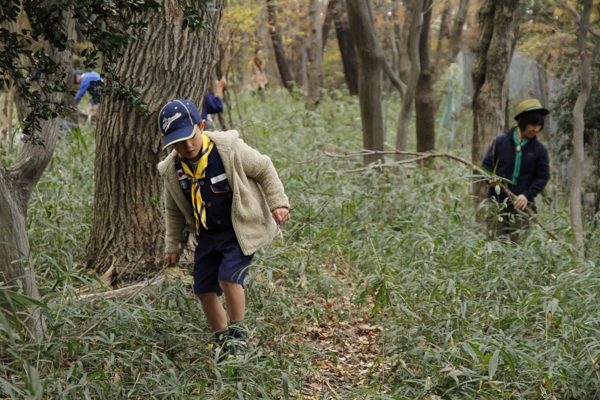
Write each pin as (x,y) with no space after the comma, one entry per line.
(391,292)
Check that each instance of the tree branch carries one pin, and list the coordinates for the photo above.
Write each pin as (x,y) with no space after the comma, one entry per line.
(401,86)
(578,18)
(424,156)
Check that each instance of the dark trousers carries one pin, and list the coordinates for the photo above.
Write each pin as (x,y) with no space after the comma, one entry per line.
(507,224)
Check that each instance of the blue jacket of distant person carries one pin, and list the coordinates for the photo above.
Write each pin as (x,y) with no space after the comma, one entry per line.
(212,105)
(535,166)
(86,85)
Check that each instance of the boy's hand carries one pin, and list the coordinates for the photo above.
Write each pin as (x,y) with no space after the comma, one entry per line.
(172,259)
(281,214)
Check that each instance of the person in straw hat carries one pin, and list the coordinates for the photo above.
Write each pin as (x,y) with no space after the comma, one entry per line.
(522,162)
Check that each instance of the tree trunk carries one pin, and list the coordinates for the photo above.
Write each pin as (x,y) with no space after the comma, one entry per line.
(370,63)
(315,54)
(425,107)
(416,24)
(498,30)
(347,50)
(456,35)
(128,226)
(280,60)
(404,63)
(301,72)
(16,185)
(442,32)
(578,125)
(331,7)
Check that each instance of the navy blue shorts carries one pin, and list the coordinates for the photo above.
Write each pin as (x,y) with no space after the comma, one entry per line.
(218,258)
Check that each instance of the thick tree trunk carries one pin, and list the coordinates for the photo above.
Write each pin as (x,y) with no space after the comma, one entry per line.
(282,64)
(16,185)
(370,63)
(425,106)
(416,24)
(578,125)
(128,223)
(498,30)
(315,53)
(347,50)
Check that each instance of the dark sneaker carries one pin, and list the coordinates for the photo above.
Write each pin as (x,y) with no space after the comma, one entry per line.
(237,336)
(218,346)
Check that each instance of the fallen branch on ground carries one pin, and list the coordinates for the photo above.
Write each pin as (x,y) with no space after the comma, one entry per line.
(139,289)
(425,156)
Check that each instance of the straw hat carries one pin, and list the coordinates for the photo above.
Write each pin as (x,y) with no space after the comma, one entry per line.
(530,105)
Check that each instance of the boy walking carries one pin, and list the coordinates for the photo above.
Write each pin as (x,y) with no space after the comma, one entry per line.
(212,190)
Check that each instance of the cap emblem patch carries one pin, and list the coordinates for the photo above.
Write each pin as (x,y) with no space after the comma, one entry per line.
(168,121)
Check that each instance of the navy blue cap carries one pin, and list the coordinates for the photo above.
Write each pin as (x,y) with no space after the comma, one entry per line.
(177,121)
(75,73)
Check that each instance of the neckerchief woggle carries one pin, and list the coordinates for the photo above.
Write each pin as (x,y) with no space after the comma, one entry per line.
(197,174)
(520,146)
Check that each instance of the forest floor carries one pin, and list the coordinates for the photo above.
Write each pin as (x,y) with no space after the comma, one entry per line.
(381,286)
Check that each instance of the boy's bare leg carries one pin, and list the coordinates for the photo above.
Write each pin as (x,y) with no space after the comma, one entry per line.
(235,300)
(213,309)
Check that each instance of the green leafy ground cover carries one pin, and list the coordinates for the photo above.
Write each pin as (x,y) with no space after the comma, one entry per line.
(381,287)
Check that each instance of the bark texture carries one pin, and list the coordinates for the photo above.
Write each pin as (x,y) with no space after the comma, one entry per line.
(282,65)
(578,124)
(370,64)
(498,30)
(315,53)
(425,106)
(414,38)
(347,50)
(16,185)
(169,63)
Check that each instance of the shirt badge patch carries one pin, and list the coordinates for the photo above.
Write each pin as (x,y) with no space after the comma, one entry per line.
(181,175)
(184,184)
(218,178)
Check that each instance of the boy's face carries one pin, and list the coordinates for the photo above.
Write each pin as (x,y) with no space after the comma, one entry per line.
(191,148)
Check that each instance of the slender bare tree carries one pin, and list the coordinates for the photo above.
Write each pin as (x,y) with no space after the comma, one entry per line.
(128,227)
(276,38)
(455,39)
(371,61)
(315,53)
(587,57)
(425,104)
(346,44)
(416,24)
(16,185)
(498,30)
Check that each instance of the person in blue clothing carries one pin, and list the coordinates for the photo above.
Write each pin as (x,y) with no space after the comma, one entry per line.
(521,159)
(213,104)
(85,82)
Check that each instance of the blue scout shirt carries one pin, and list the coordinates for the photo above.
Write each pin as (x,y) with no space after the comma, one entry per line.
(215,190)
(212,105)
(535,166)
(85,85)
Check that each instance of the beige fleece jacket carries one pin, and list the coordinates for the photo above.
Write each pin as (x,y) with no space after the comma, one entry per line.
(246,168)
